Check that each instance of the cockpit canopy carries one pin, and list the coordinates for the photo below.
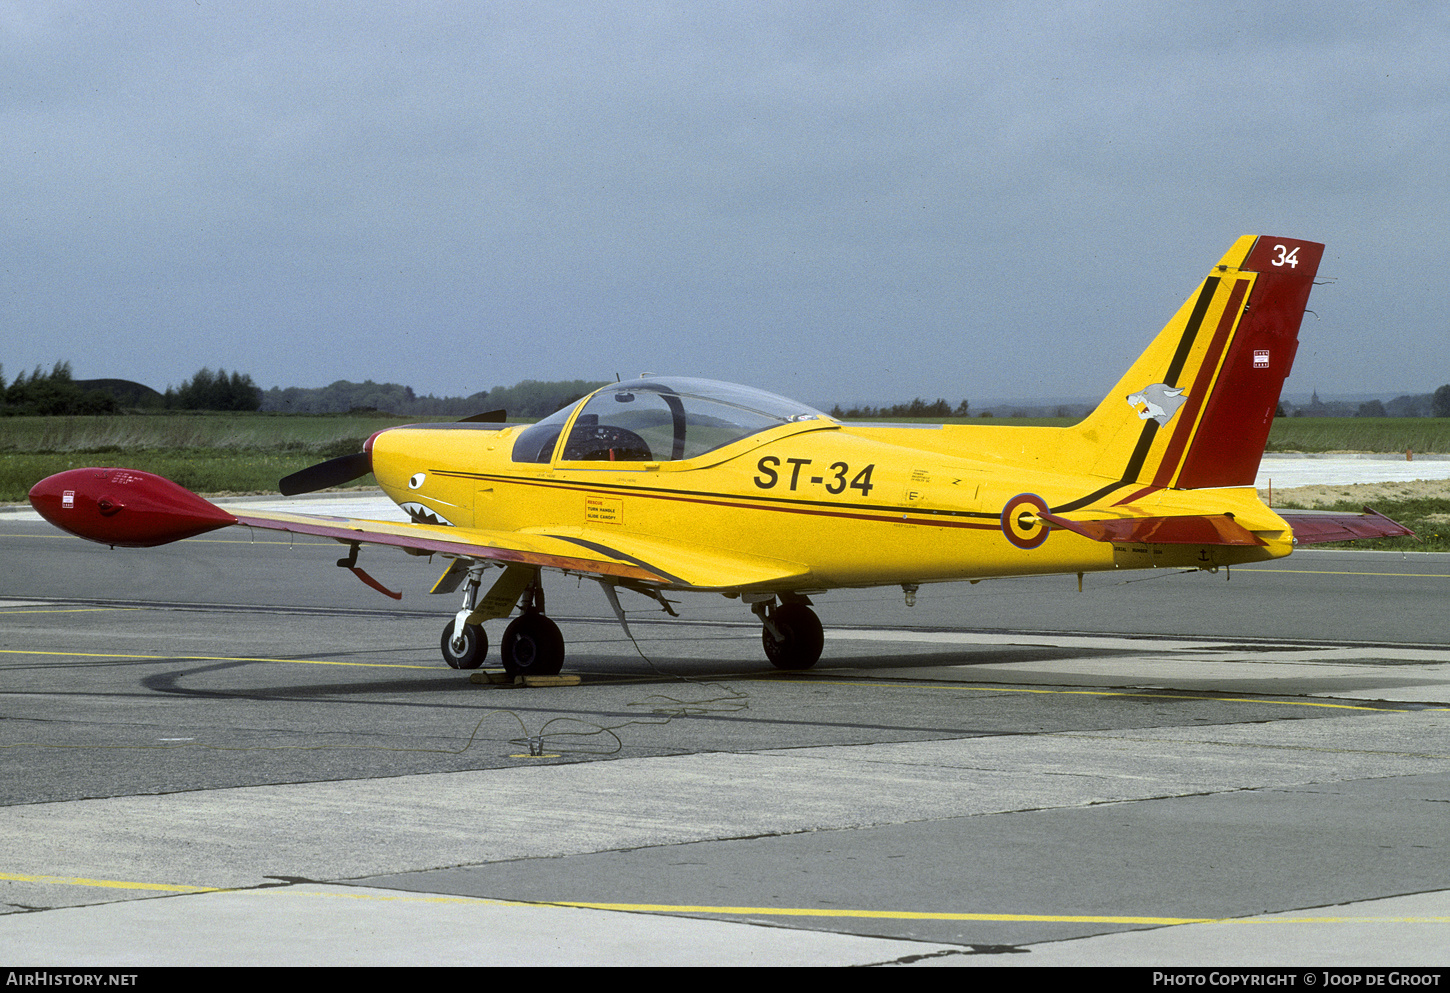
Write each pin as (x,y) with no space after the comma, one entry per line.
(659,420)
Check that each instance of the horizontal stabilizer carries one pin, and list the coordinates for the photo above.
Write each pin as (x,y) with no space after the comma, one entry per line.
(1312,526)
(1204,529)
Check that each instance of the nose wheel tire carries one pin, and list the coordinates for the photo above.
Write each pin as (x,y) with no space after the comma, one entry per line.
(532,646)
(474,647)
(801,638)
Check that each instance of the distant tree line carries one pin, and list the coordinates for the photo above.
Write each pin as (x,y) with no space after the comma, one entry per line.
(209,390)
(916,408)
(538,398)
(54,392)
(531,398)
(58,392)
(343,396)
(1435,404)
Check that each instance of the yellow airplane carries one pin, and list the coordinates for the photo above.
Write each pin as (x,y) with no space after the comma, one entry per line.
(665,485)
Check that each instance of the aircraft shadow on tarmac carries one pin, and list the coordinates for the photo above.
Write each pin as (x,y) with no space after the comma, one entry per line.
(191,680)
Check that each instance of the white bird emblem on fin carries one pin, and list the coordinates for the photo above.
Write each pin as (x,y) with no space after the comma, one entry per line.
(1159,401)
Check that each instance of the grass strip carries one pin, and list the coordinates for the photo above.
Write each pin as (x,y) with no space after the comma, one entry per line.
(201,470)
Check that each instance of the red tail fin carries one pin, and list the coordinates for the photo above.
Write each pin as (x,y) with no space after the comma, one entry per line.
(1229,440)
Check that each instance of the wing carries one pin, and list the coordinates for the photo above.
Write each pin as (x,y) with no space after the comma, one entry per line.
(1314,526)
(579,550)
(139,509)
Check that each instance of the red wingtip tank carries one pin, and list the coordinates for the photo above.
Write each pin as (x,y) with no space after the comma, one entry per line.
(124,507)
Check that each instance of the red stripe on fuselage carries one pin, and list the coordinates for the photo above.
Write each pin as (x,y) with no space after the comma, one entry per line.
(886,515)
(1136,494)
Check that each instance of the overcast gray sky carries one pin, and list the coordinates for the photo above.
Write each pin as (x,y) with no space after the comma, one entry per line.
(869,201)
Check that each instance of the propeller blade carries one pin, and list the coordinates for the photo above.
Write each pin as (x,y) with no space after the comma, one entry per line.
(333,472)
(489,415)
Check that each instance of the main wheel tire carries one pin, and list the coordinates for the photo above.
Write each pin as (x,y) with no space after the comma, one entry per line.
(474,650)
(532,646)
(801,637)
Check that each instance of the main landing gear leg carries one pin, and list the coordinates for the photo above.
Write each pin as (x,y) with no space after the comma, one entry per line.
(532,644)
(791,633)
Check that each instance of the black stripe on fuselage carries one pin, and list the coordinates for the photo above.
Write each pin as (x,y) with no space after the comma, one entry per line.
(1092,497)
(697,495)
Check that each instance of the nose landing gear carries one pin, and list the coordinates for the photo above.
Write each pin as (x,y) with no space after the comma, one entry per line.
(468,651)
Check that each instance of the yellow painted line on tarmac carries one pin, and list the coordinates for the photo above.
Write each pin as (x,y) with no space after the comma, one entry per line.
(303,539)
(264,541)
(214,658)
(893,915)
(1152,696)
(62,610)
(727,911)
(112,884)
(1339,572)
(915,915)
(206,541)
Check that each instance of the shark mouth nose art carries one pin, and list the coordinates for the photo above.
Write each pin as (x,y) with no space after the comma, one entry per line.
(423,515)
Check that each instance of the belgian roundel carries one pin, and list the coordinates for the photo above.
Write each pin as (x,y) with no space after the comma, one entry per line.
(1021,523)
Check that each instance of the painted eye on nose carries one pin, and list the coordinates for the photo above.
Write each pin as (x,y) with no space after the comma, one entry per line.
(417,480)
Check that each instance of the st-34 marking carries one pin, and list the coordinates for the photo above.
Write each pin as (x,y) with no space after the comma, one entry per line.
(834,484)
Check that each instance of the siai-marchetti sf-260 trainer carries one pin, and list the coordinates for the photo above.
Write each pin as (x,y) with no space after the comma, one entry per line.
(668,485)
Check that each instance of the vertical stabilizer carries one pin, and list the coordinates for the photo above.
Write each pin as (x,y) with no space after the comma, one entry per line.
(1194,410)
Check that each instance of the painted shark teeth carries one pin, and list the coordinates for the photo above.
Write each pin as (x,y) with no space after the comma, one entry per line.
(423,515)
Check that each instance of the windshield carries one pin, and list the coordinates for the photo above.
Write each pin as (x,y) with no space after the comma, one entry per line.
(659,420)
